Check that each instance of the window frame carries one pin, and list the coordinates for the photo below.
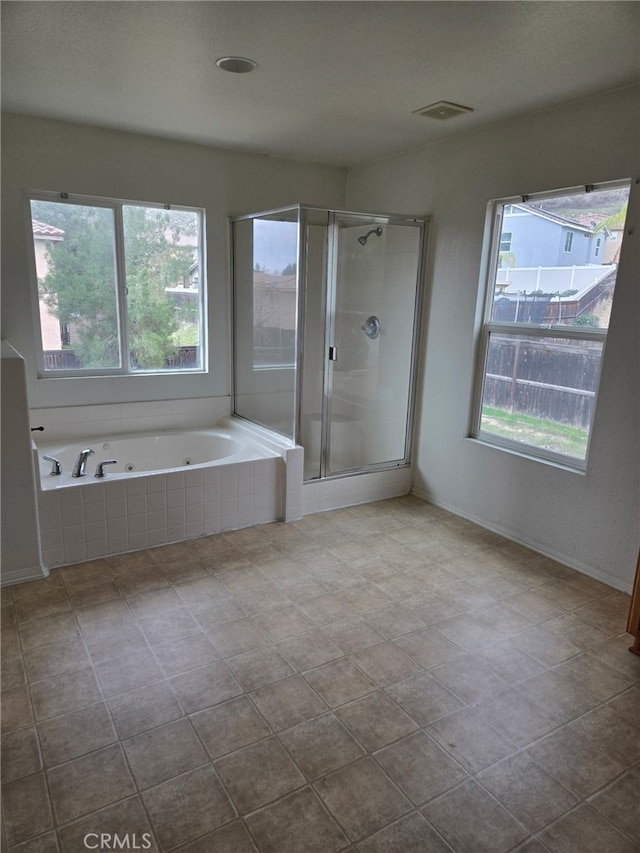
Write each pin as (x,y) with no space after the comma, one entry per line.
(116,205)
(487,326)
(568,241)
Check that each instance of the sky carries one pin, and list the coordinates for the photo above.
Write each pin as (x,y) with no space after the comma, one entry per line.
(275,244)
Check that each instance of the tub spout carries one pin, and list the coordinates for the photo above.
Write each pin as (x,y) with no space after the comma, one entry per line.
(81,463)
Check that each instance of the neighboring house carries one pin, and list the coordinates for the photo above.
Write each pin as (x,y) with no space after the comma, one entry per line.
(274,300)
(554,270)
(274,318)
(611,227)
(613,245)
(188,289)
(54,333)
(532,237)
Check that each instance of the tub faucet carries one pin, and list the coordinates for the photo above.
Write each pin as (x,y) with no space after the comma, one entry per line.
(56,468)
(100,473)
(81,462)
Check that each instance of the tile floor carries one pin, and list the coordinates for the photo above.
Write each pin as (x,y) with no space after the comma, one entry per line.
(384,679)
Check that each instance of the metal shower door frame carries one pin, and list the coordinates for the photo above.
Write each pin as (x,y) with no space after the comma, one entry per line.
(331,287)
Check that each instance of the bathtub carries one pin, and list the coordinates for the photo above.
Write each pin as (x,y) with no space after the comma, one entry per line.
(166,487)
(144,454)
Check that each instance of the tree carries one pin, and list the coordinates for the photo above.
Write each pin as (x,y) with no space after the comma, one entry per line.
(507,259)
(586,320)
(155,260)
(616,220)
(80,287)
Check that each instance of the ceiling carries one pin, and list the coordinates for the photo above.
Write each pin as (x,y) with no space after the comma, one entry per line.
(337,81)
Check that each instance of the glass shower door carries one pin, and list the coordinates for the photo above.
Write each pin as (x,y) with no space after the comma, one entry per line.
(373,288)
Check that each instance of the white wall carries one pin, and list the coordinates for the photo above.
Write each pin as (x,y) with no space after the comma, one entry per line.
(20,541)
(588,521)
(49,155)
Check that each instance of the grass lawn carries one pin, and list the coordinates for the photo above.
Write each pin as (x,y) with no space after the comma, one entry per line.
(537,432)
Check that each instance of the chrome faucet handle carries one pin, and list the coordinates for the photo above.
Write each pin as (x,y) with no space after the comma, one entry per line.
(100,467)
(56,468)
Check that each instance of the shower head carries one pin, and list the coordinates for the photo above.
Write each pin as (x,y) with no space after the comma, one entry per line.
(363,240)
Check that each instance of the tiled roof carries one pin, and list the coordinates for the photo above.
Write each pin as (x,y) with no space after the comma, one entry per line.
(562,220)
(271,280)
(41,229)
(590,220)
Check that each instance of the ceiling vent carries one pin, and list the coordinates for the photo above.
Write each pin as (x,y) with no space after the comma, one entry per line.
(442,110)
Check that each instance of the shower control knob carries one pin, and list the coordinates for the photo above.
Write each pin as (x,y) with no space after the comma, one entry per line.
(371,327)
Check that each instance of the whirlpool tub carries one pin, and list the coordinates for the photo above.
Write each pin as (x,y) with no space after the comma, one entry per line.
(133,455)
(164,487)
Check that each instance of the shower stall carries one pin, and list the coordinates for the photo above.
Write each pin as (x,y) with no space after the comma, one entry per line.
(326,315)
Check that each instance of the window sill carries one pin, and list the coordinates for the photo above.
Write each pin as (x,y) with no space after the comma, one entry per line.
(561,463)
(160,374)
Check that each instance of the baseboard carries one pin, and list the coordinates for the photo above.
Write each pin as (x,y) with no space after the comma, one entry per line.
(15,576)
(545,551)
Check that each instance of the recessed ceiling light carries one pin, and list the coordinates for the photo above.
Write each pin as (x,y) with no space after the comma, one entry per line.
(236,64)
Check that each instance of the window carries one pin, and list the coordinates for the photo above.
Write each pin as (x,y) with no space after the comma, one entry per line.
(598,245)
(118,286)
(505,241)
(545,329)
(568,241)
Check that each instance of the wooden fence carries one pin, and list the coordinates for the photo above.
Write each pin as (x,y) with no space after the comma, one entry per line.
(545,379)
(67,360)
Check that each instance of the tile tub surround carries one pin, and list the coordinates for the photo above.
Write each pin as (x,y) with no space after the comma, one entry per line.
(77,422)
(257,690)
(89,519)
(98,519)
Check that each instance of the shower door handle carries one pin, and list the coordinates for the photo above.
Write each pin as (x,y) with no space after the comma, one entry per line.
(333,353)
